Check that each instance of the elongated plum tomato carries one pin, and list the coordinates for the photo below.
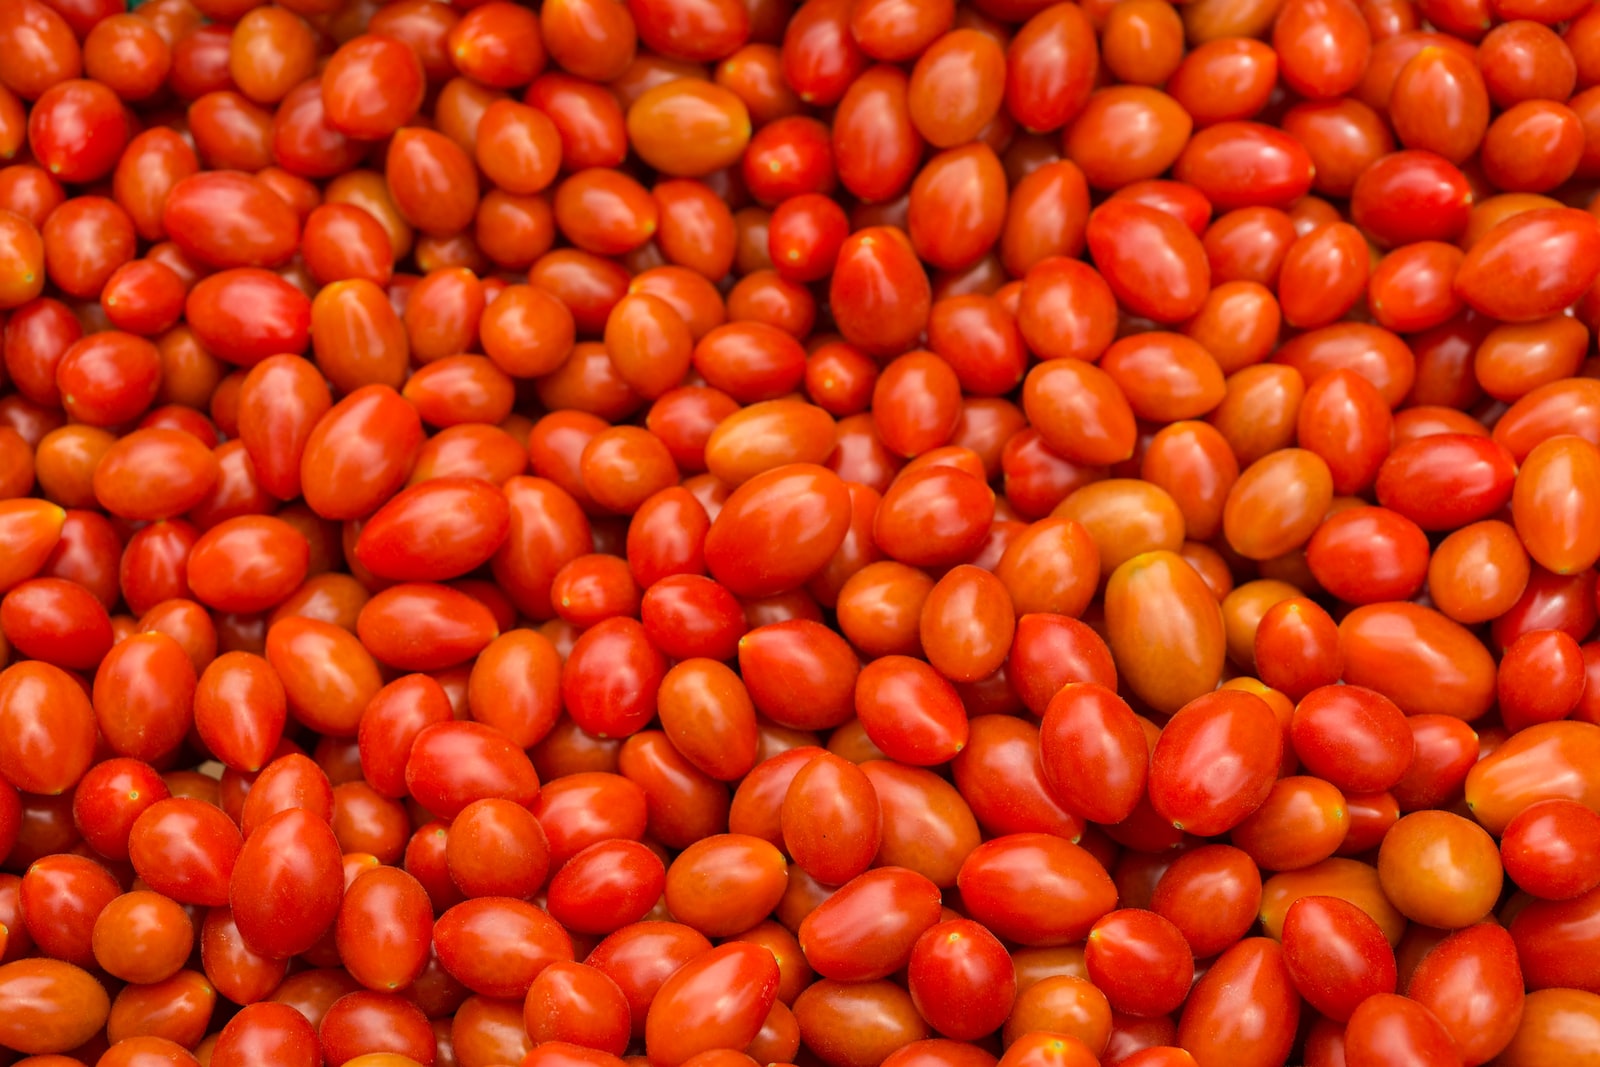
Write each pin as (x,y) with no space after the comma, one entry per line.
(778,529)
(1165,629)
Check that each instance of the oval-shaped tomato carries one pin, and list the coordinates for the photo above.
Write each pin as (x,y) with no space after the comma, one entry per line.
(1165,628)
(717,1000)
(1215,762)
(287,884)
(1035,889)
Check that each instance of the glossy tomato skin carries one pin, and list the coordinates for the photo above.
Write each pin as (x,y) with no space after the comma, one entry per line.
(1483,959)
(1245,1008)
(452,764)
(292,855)
(1035,889)
(1498,279)
(58,1005)
(1249,739)
(1089,734)
(52,760)
(778,529)
(1165,628)
(1446,670)
(679,1023)
(869,929)
(359,453)
(1538,763)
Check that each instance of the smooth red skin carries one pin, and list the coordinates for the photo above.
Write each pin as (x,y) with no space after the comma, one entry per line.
(1297,648)
(281,322)
(47,728)
(1421,660)
(1412,195)
(107,800)
(756,809)
(451,764)
(868,928)
(879,293)
(1548,602)
(934,516)
(606,886)
(61,897)
(1215,762)
(1549,849)
(1367,555)
(1444,752)
(1555,941)
(961,977)
(515,686)
(820,57)
(1079,411)
(108,378)
(185,849)
(287,883)
(1050,651)
(1356,738)
(926,825)
(1001,775)
(1244,1010)
(1336,955)
(87,555)
(497,946)
(1541,678)
(1050,68)
(1140,960)
(1547,411)
(144,691)
(1505,278)
(425,627)
(240,710)
(578,810)
(359,453)
(548,530)
(367,1023)
(567,1054)
(267,1033)
(1093,752)
(384,929)
(875,144)
(686,616)
(328,675)
(226,219)
(666,536)
(910,712)
(915,403)
(1035,889)
(1390,1029)
(56,1006)
(577,1003)
(610,678)
(1472,982)
(1153,262)
(57,621)
(1543,762)
(291,781)
(1245,164)
(246,564)
(778,529)
(280,401)
(641,957)
(717,1000)
(830,818)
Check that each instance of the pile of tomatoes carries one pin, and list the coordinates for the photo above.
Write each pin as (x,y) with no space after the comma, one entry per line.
(842,533)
